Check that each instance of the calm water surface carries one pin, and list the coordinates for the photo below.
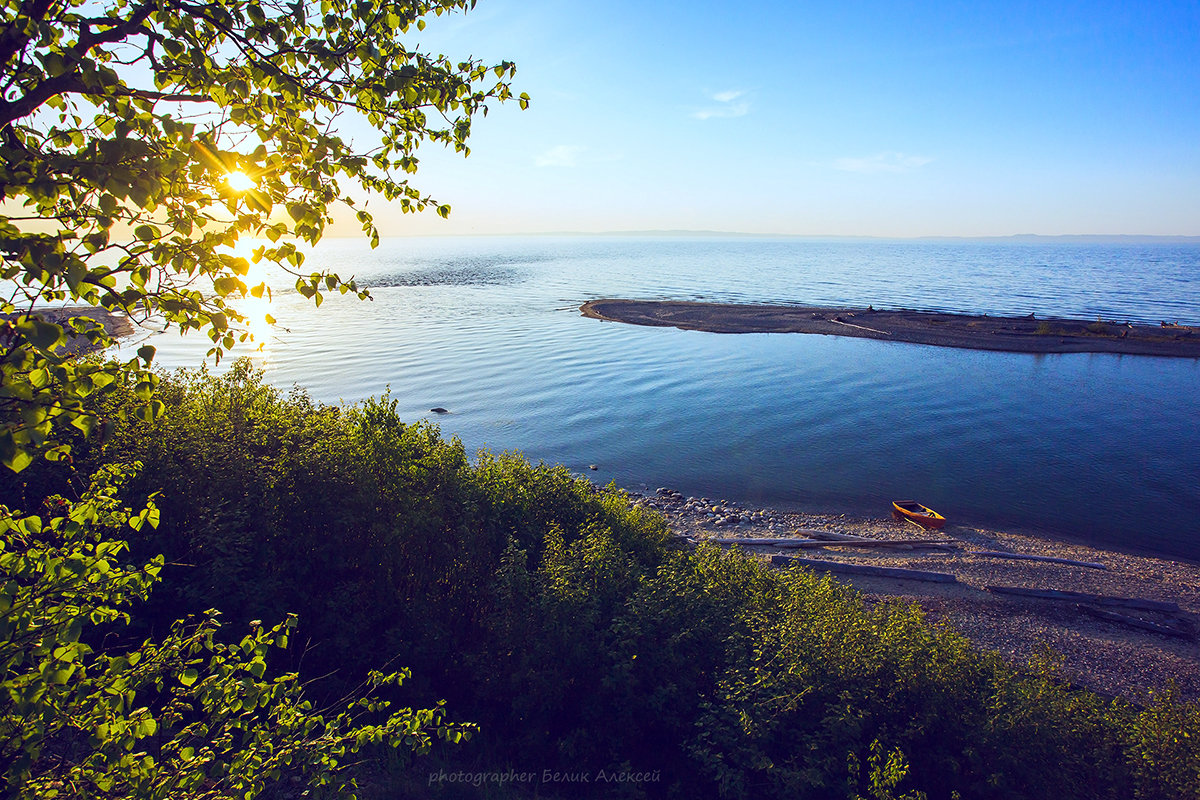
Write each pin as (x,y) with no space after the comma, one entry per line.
(1100,447)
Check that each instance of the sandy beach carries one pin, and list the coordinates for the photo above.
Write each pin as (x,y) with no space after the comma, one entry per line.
(1102,646)
(1010,334)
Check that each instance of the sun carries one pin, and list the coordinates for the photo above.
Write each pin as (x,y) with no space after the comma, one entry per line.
(240,181)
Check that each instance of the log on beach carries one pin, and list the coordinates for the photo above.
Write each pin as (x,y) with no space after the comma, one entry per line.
(1136,622)
(895,544)
(808,544)
(1083,597)
(847,537)
(863,569)
(831,535)
(762,541)
(1023,557)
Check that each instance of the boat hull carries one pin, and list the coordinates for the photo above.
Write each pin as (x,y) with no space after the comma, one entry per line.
(918,514)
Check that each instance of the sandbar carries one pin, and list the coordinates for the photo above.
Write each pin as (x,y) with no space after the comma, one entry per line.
(1028,334)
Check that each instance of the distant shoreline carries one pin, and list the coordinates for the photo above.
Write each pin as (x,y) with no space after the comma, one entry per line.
(685,233)
(1007,334)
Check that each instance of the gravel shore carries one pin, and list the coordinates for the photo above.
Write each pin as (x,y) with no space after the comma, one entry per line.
(1110,654)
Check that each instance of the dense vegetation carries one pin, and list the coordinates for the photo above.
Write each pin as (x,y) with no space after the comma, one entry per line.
(568,626)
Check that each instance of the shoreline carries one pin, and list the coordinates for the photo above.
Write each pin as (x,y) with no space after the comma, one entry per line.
(118,326)
(1112,656)
(973,332)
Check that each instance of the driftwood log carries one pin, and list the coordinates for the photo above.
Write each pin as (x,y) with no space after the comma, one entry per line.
(1024,557)
(841,321)
(863,569)
(847,537)
(1083,597)
(765,541)
(903,544)
(833,536)
(808,544)
(1136,622)
(844,537)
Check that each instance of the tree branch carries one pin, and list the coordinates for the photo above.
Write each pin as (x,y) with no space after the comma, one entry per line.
(143,94)
(14,38)
(71,81)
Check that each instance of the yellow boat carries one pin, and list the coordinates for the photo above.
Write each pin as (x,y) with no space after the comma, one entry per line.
(917,514)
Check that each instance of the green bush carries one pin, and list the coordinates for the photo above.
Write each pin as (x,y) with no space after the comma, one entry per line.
(86,710)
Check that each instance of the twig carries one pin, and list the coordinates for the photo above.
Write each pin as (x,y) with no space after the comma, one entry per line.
(838,320)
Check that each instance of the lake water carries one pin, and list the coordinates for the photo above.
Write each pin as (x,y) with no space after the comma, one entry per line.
(1102,448)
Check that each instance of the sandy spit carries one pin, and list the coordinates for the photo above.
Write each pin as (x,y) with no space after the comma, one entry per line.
(1009,334)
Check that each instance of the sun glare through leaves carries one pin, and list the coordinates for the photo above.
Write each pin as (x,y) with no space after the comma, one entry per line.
(239,182)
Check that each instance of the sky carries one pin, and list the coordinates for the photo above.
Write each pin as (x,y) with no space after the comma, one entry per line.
(893,119)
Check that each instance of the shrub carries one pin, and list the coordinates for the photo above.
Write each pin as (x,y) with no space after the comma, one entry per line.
(86,710)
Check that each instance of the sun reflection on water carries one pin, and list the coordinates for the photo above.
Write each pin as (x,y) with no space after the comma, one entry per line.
(256,304)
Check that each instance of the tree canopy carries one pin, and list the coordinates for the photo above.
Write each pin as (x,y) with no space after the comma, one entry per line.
(141,139)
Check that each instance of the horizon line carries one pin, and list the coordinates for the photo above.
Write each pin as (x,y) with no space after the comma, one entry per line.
(1188,238)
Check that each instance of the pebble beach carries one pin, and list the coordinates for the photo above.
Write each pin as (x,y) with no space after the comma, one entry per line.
(1100,642)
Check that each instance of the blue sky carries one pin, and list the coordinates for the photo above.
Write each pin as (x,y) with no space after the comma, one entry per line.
(874,119)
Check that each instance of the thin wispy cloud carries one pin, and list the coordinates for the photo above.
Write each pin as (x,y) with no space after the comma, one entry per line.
(563,155)
(729,104)
(882,162)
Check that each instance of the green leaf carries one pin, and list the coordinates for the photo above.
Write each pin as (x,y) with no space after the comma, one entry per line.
(13,455)
(228,285)
(41,334)
(39,378)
